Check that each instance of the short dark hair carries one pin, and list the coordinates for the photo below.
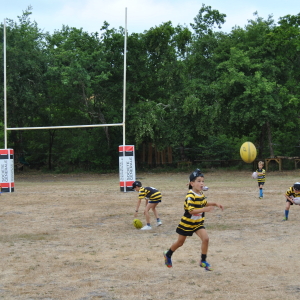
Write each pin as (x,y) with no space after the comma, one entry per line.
(135,184)
(194,175)
(297,186)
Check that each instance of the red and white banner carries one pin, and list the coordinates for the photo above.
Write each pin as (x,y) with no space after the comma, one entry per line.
(7,170)
(126,167)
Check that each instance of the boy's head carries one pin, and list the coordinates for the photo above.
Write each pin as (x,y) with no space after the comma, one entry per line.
(194,175)
(297,186)
(136,185)
(260,164)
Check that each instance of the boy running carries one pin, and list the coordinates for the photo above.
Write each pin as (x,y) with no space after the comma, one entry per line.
(192,221)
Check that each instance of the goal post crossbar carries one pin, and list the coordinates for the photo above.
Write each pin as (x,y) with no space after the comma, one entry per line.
(61,127)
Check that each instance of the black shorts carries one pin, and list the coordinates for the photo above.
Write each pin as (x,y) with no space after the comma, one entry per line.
(289,201)
(188,233)
(260,183)
(154,201)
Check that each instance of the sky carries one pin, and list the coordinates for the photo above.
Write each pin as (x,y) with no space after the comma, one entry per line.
(51,15)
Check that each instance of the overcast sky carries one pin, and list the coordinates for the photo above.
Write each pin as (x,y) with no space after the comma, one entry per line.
(141,14)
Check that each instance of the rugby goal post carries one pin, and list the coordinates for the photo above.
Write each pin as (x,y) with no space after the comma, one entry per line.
(124,168)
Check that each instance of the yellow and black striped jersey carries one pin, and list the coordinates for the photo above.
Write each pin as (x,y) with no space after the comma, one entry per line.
(150,193)
(261,175)
(190,223)
(291,192)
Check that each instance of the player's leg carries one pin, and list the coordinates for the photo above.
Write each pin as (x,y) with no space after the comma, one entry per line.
(205,240)
(154,210)
(287,209)
(178,243)
(174,247)
(260,191)
(204,248)
(146,213)
(156,215)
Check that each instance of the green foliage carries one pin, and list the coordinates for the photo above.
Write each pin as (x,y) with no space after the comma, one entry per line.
(203,93)
(1,135)
(218,147)
(207,19)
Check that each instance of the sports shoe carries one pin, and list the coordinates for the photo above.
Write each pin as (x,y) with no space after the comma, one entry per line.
(158,223)
(285,219)
(168,261)
(206,265)
(260,197)
(146,228)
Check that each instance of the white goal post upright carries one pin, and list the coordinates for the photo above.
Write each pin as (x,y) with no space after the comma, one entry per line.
(124,77)
(124,104)
(6,155)
(5,102)
(71,126)
(126,152)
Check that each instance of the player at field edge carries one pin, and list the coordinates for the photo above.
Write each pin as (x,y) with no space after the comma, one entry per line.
(293,191)
(261,178)
(195,207)
(153,197)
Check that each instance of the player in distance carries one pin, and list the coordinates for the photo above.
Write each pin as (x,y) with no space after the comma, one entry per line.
(153,198)
(291,193)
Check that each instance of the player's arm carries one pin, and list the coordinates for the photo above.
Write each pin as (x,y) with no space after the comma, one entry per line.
(261,173)
(289,197)
(137,207)
(145,206)
(197,211)
(215,204)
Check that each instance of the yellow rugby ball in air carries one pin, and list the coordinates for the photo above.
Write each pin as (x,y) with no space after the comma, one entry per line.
(137,223)
(248,152)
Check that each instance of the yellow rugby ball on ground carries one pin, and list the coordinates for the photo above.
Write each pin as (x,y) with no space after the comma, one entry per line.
(137,223)
(248,152)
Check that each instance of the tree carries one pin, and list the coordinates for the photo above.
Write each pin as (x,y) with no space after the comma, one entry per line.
(201,106)
(248,85)
(159,71)
(26,66)
(206,20)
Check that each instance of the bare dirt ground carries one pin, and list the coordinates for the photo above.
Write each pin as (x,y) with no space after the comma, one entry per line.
(71,237)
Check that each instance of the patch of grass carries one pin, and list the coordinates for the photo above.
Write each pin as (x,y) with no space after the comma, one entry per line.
(30,237)
(245,232)
(221,227)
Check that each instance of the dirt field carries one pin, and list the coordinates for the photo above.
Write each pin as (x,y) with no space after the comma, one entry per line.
(71,237)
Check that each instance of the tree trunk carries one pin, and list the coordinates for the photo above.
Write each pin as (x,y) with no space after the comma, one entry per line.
(94,113)
(51,141)
(21,140)
(270,140)
(182,151)
(261,142)
(107,136)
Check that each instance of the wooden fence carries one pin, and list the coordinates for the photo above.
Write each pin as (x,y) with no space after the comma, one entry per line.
(156,157)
